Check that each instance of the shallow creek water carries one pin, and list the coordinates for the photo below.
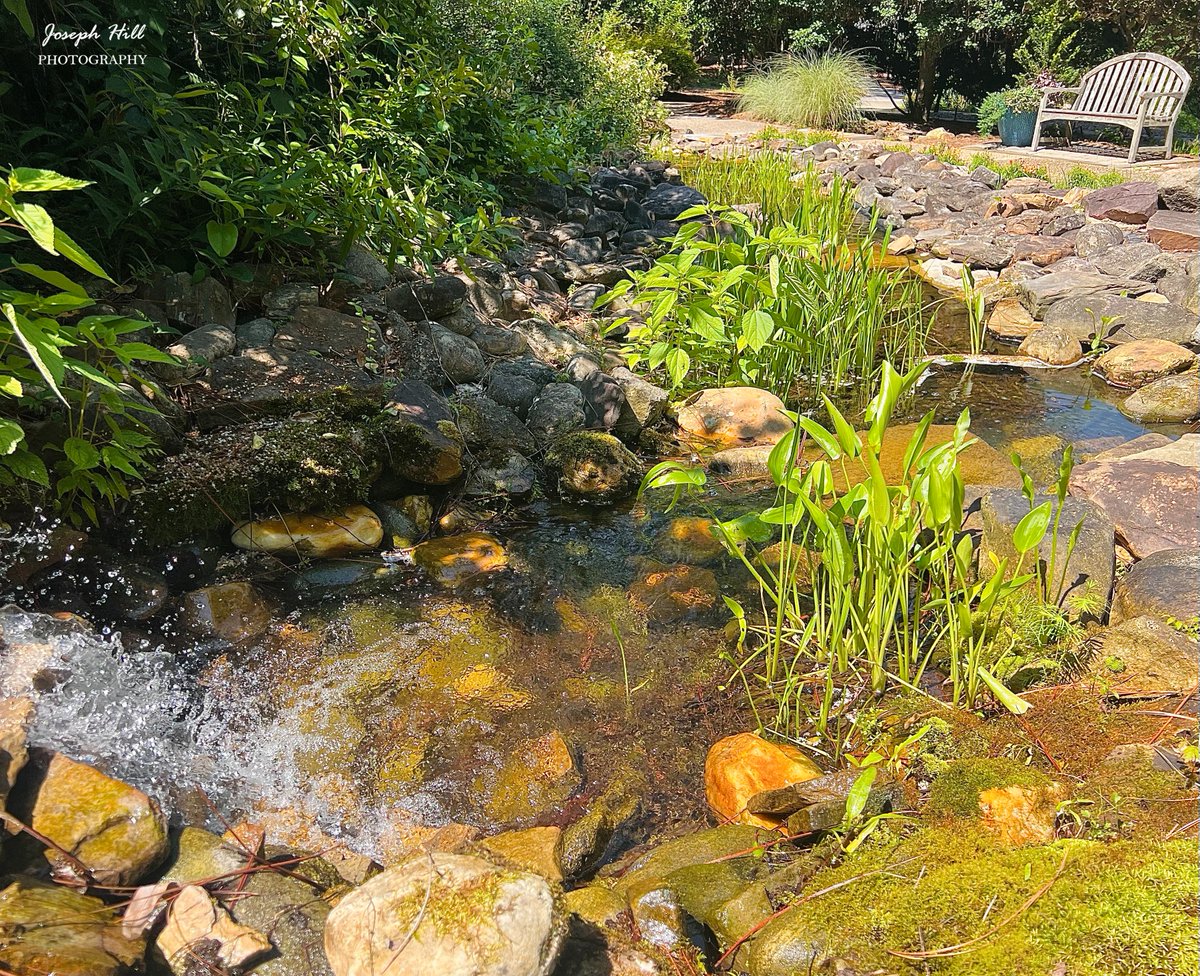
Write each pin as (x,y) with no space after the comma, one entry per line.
(381,700)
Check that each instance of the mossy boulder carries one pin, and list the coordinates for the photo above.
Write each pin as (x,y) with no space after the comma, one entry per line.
(592,467)
(315,464)
(51,929)
(1125,907)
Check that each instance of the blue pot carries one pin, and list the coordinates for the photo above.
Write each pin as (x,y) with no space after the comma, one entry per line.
(1016,128)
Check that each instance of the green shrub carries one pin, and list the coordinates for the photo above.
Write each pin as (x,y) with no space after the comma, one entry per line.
(811,90)
(255,129)
(1024,98)
(70,413)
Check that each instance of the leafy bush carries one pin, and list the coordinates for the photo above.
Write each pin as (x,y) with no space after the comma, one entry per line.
(68,390)
(812,90)
(790,306)
(1023,98)
(252,129)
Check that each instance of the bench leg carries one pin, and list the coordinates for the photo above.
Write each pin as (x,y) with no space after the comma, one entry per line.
(1133,145)
(1169,145)
(1037,133)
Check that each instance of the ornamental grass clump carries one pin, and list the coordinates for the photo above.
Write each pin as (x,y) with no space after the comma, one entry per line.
(810,90)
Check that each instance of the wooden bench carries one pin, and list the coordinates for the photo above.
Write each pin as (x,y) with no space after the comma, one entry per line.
(1137,91)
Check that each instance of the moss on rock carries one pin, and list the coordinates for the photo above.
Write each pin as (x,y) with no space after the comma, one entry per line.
(956,790)
(1121,908)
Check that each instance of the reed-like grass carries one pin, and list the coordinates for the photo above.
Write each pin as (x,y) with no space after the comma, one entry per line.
(809,90)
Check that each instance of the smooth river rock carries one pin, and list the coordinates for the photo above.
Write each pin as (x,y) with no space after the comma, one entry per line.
(115,831)
(739,767)
(1165,584)
(1145,657)
(1117,319)
(1134,364)
(355,529)
(1170,400)
(736,416)
(446,913)
(454,559)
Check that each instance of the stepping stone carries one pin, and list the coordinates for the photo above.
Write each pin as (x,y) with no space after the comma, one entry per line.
(1120,319)
(1150,495)
(1134,364)
(1010,320)
(1175,231)
(1041,293)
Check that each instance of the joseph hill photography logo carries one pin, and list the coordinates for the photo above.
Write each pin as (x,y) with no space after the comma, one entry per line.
(97,44)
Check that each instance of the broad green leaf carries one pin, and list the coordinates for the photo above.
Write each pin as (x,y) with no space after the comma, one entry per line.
(37,221)
(28,180)
(825,440)
(848,440)
(678,364)
(1032,528)
(222,237)
(81,453)
(46,359)
(73,252)
(757,327)
(19,10)
(11,386)
(860,792)
(55,278)
(11,435)
(25,464)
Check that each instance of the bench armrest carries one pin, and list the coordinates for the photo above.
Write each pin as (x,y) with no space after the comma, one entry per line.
(1145,96)
(1049,93)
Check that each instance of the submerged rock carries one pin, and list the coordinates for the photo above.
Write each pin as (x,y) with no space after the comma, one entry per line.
(446,913)
(594,467)
(536,776)
(116,832)
(740,767)
(538,849)
(737,416)
(356,529)
(669,593)
(454,559)
(233,612)
(51,929)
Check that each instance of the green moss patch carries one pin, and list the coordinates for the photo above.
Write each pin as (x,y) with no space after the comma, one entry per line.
(1116,909)
(956,790)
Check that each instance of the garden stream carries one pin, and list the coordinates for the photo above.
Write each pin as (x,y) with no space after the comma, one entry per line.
(381,703)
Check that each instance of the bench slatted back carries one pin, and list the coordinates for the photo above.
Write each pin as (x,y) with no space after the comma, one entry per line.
(1113,87)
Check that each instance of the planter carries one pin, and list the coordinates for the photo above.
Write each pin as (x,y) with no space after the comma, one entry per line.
(1016,128)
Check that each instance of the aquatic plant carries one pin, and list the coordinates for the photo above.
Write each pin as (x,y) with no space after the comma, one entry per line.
(789,304)
(870,578)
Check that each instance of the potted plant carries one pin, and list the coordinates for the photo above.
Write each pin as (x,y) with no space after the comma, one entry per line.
(1013,112)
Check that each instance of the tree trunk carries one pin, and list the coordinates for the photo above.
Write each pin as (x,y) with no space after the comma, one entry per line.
(926,77)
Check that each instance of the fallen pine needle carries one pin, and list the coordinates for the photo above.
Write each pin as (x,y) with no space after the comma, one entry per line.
(964,947)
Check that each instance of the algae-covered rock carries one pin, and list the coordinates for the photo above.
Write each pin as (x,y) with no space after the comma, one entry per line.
(446,913)
(50,929)
(538,775)
(117,832)
(230,611)
(312,464)
(454,559)
(667,594)
(593,467)
(538,849)
(584,841)
(688,539)
(1145,657)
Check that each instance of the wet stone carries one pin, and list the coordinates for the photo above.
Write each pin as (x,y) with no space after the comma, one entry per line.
(455,559)
(1165,584)
(1171,400)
